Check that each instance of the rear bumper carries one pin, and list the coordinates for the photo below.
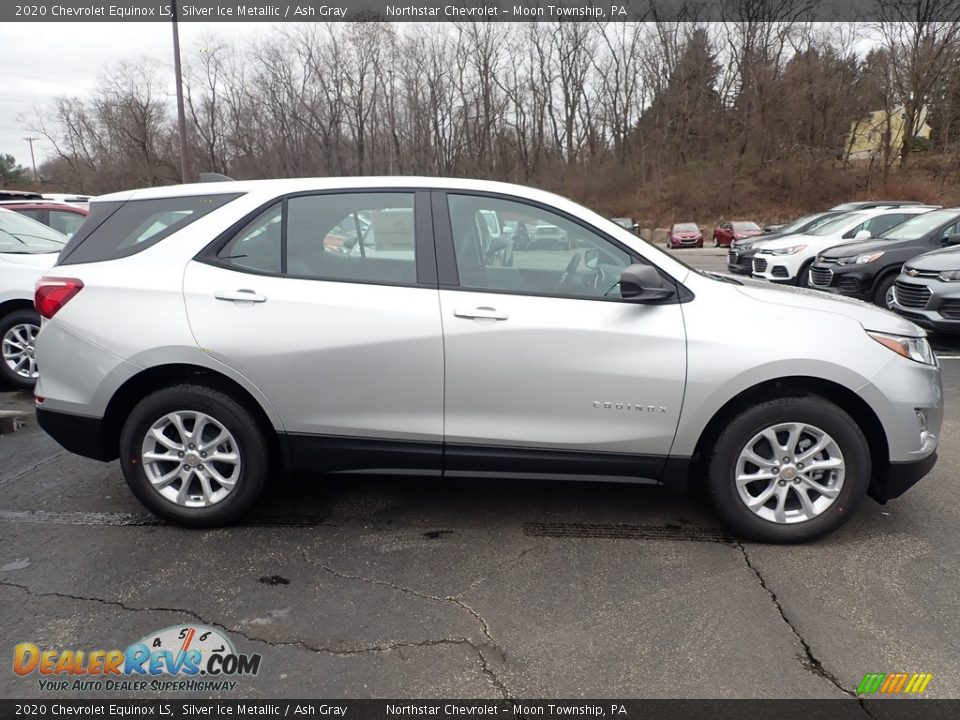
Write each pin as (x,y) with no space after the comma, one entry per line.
(81,435)
(900,477)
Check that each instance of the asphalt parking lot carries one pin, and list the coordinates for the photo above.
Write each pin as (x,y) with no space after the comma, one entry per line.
(413,588)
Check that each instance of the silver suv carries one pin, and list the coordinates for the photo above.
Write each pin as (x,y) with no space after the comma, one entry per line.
(216,337)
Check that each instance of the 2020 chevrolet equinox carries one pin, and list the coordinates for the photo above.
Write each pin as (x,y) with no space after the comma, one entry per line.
(217,336)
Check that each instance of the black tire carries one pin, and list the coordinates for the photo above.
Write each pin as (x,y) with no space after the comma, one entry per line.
(880,294)
(251,446)
(803,277)
(813,410)
(7,373)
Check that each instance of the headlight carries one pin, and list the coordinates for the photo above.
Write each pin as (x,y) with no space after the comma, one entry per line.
(860,259)
(949,275)
(916,349)
(788,250)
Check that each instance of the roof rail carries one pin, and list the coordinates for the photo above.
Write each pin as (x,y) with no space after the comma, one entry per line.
(214,177)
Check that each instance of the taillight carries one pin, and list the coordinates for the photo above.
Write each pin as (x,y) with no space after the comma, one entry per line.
(53,293)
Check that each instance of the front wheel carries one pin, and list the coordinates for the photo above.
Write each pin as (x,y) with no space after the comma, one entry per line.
(803,277)
(193,456)
(883,296)
(18,333)
(715,243)
(789,470)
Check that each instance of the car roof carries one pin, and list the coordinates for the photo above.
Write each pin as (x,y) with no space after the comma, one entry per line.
(868,204)
(282,186)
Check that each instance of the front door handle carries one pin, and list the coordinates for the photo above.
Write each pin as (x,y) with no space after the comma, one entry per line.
(240,296)
(480,313)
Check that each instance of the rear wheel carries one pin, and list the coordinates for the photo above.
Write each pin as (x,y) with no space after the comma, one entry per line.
(194,456)
(883,295)
(789,470)
(18,333)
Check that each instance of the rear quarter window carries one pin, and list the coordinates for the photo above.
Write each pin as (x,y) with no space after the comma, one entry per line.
(120,229)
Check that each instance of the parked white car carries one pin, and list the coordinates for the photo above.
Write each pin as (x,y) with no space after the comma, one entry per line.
(788,259)
(27,250)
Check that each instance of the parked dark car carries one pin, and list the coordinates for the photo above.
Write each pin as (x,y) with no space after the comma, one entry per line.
(868,269)
(685,235)
(928,290)
(740,257)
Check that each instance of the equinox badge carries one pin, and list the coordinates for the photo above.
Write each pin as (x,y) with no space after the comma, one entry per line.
(629,406)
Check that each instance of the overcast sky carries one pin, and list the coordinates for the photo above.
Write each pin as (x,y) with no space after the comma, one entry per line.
(40,61)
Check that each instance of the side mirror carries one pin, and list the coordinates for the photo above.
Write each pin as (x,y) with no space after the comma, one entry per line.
(950,240)
(862,235)
(641,283)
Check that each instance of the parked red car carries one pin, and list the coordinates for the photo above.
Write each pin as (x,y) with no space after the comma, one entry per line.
(685,235)
(62,217)
(726,232)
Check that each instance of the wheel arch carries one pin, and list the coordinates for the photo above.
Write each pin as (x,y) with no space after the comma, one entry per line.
(9,306)
(882,275)
(794,386)
(147,381)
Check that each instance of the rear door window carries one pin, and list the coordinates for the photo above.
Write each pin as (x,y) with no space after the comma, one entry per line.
(119,229)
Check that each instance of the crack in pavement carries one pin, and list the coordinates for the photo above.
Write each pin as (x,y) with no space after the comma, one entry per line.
(810,661)
(377,648)
(457,600)
(25,471)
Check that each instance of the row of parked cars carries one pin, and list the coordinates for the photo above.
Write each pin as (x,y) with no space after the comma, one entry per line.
(34,228)
(902,256)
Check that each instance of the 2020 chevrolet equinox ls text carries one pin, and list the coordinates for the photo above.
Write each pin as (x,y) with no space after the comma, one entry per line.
(219,336)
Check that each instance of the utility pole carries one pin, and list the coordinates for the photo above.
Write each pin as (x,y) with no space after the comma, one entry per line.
(33,160)
(181,115)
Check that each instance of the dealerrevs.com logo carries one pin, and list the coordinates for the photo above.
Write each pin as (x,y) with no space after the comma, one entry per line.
(188,658)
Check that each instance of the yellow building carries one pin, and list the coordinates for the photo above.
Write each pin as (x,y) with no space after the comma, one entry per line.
(866,137)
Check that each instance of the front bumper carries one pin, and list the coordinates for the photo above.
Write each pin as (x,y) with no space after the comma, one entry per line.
(907,398)
(900,477)
(929,302)
(740,262)
(848,280)
(776,268)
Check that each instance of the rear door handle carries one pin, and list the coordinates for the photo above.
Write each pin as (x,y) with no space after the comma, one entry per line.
(480,313)
(239,296)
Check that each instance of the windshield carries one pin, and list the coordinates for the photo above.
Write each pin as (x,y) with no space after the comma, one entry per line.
(23,236)
(745,226)
(685,227)
(795,225)
(915,228)
(838,225)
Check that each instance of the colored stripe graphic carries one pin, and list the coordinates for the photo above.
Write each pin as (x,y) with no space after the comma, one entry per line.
(893,683)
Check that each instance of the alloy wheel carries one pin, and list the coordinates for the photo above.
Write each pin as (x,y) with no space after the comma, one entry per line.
(790,473)
(191,459)
(18,350)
